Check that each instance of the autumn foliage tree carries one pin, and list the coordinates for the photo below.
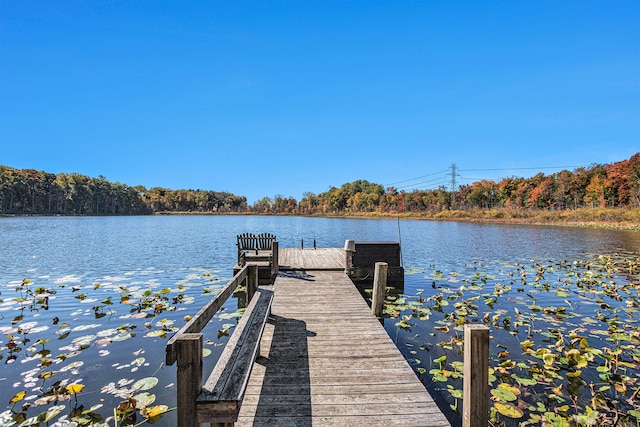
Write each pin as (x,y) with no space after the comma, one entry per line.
(35,192)
(26,191)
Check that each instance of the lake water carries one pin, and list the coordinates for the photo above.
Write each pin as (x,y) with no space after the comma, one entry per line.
(106,292)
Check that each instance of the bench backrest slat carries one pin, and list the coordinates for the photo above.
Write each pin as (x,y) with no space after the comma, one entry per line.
(250,241)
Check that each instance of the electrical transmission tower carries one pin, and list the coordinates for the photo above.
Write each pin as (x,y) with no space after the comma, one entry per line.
(454,174)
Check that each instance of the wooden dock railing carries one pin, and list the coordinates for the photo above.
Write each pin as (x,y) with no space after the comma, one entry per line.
(200,320)
(220,398)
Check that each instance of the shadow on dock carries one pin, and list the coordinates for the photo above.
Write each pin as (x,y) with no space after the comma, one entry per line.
(298,274)
(285,396)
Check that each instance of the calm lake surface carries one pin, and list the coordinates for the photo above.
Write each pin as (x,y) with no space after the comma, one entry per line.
(87,316)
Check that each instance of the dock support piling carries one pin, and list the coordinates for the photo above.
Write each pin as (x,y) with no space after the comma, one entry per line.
(275,267)
(475,388)
(252,281)
(379,288)
(188,378)
(349,249)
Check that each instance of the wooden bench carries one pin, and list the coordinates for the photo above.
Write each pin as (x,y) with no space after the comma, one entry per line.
(220,399)
(249,242)
(222,394)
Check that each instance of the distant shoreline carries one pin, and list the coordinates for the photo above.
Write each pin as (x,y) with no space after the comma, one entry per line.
(605,218)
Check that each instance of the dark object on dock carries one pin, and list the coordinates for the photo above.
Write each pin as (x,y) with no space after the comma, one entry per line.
(314,243)
(257,249)
(368,253)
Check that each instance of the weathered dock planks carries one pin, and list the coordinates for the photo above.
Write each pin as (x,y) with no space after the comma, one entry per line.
(311,259)
(325,360)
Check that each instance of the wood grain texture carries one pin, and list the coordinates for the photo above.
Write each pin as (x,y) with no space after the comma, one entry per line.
(223,391)
(475,412)
(311,259)
(189,358)
(326,360)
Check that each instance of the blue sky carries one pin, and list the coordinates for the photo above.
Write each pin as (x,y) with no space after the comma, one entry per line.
(265,98)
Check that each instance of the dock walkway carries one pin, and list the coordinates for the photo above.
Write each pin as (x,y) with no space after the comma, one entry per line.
(325,360)
(311,259)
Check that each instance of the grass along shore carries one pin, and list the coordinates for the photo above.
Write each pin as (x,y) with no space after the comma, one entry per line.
(616,218)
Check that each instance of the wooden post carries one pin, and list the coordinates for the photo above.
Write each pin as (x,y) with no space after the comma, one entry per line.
(379,288)
(475,389)
(349,249)
(189,378)
(252,281)
(275,267)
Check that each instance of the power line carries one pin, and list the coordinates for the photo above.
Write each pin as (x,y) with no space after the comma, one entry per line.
(453,176)
(435,184)
(475,179)
(413,179)
(421,182)
(509,169)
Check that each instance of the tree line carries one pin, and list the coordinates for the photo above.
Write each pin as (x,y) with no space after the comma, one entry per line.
(27,191)
(599,185)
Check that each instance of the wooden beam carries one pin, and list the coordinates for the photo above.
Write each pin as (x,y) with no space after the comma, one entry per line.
(251,281)
(205,314)
(188,378)
(379,288)
(475,388)
(274,258)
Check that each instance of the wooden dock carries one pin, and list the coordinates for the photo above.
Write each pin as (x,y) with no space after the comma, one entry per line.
(325,360)
(321,259)
(307,352)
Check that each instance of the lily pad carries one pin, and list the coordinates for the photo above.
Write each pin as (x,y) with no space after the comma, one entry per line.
(145,384)
(508,410)
(503,394)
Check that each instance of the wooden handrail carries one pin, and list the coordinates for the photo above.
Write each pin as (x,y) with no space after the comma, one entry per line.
(185,347)
(200,320)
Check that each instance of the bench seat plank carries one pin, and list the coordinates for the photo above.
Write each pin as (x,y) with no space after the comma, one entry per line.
(222,394)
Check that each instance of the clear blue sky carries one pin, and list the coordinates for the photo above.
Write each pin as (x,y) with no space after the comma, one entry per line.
(261,98)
